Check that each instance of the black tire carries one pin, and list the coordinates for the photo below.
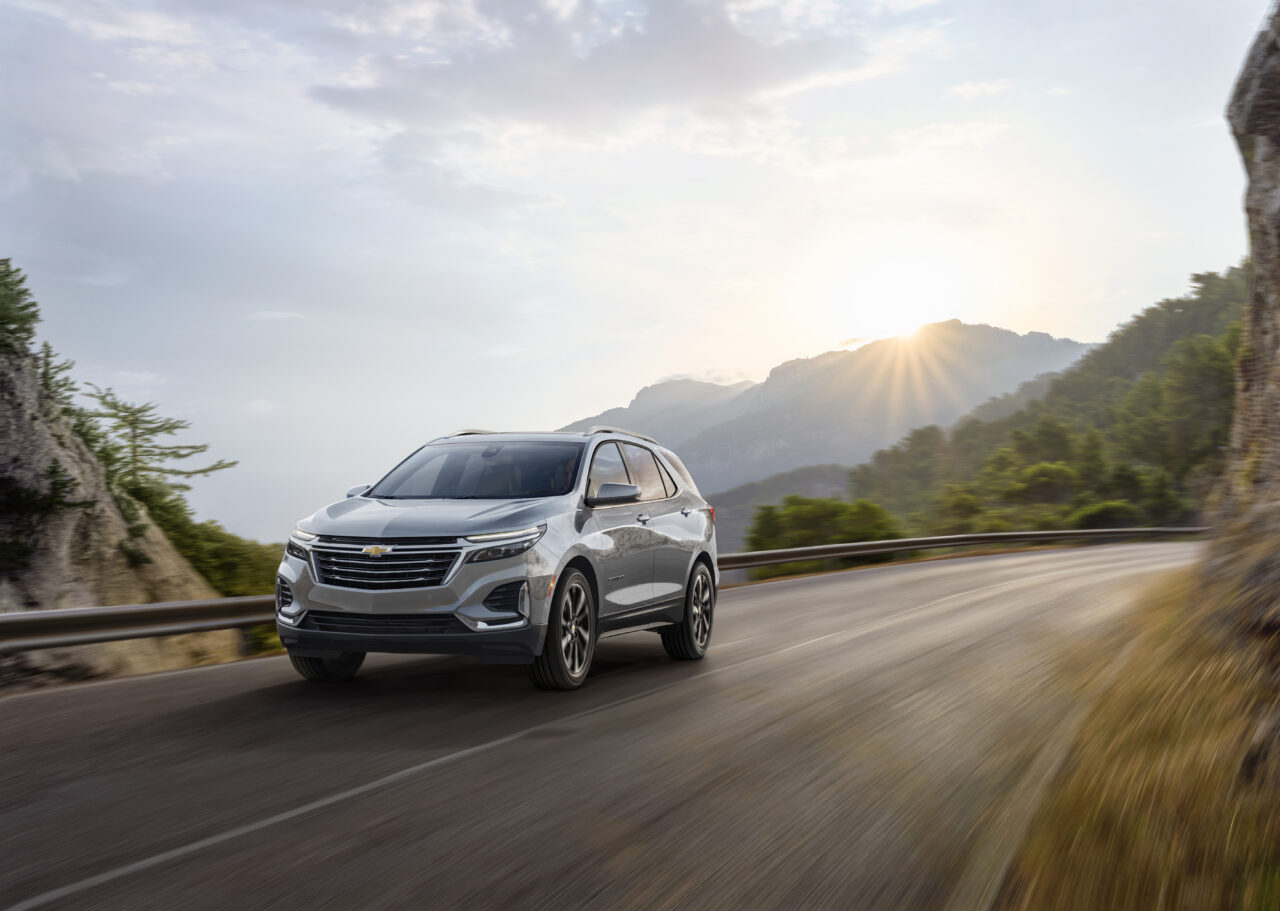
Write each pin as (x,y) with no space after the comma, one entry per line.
(689,639)
(328,670)
(571,636)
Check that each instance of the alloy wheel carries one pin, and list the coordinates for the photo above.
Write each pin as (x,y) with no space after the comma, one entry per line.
(575,628)
(702,606)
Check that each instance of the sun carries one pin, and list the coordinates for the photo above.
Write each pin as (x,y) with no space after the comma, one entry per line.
(890,285)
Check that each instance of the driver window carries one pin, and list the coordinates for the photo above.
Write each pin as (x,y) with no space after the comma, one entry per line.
(606,468)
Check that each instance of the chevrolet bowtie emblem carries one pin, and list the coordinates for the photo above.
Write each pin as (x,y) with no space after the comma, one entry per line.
(376,550)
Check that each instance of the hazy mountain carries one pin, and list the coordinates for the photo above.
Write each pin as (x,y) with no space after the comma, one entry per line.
(838,407)
(671,410)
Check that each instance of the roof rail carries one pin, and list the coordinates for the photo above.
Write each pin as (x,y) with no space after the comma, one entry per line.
(630,433)
(461,433)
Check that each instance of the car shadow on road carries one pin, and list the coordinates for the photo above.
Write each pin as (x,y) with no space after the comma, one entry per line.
(420,704)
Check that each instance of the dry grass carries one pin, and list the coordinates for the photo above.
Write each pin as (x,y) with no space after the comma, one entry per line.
(1152,810)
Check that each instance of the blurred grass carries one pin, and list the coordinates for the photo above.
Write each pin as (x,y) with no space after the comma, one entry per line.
(1152,809)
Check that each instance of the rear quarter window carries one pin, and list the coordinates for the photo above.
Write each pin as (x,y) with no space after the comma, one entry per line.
(678,467)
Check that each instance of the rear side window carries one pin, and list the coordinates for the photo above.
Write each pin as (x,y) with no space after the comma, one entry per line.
(606,468)
(681,472)
(646,471)
(669,484)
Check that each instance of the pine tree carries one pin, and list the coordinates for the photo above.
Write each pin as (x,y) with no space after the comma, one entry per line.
(19,312)
(55,378)
(134,432)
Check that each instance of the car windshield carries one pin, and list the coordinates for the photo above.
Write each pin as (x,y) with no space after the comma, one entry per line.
(478,470)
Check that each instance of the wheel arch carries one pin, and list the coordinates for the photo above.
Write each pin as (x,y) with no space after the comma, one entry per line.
(705,558)
(583,565)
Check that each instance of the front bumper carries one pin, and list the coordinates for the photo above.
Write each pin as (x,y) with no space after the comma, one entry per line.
(460,597)
(508,646)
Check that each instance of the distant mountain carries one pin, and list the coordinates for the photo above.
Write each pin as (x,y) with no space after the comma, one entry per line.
(671,410)
(838,407)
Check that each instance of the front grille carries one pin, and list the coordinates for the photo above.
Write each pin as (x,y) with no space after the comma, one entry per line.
(505,599)
(383,624)
(404,567)
(334,539)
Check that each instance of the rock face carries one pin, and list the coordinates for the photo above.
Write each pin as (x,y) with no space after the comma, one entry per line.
(1254,113)
(82,555)
(1244,556)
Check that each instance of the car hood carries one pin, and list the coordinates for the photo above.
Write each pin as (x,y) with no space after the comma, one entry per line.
(362,517)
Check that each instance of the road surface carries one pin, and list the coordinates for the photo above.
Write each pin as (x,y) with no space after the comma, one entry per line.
(855,740)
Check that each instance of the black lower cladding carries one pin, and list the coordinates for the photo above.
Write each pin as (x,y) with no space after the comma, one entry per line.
(383,624)
(317,637)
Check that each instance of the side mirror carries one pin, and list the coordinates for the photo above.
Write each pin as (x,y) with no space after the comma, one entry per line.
(357,490)
(611,494)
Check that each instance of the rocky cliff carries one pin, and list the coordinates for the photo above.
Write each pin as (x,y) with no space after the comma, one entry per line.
(1244,556)
(64,543)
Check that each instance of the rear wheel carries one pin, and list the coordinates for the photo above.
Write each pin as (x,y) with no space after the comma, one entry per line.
(688,640)
(328,670)
(571,637)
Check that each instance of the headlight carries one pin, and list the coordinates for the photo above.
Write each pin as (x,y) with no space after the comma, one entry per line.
(294,549)
(504,543)
(303,535)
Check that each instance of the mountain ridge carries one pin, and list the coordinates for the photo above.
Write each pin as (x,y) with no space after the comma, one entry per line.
(838,406)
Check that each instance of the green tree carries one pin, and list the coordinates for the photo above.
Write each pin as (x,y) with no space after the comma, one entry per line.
(1199,397)
(134,450)
(958,509)
(19,312)
(1161,501)
(1048,441)
(1048,482)
(1107,514)
(808,522)
(55,378)
(1091,463)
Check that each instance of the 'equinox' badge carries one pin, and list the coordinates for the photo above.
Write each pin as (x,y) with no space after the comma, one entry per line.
(376,550)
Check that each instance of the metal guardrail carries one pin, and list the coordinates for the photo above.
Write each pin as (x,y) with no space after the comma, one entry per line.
(898,545)
(24,630)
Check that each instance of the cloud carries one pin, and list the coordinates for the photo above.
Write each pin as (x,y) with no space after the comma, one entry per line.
(1061,91)
(900,6)
(889,53)
(260,406)
(590,68)
(273,316)
(971,90)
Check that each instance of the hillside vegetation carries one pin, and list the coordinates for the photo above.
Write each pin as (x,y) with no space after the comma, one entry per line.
(1135,433)
(145,470)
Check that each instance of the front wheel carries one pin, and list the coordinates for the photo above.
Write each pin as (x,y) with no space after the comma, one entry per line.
(328,670)
(571,637)
(688,640)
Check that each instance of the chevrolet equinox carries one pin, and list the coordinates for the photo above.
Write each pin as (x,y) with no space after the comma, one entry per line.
(512,547)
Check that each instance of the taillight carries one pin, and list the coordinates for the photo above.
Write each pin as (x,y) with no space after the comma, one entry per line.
(711,509)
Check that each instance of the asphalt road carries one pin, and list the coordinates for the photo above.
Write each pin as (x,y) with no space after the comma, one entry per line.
(857,740)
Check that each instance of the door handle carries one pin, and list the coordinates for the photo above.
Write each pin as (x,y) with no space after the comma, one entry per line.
(642,519)
(685,510)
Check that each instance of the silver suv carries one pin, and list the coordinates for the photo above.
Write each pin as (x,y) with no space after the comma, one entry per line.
(512,547)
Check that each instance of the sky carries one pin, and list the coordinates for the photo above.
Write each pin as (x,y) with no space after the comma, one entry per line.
(325,232)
